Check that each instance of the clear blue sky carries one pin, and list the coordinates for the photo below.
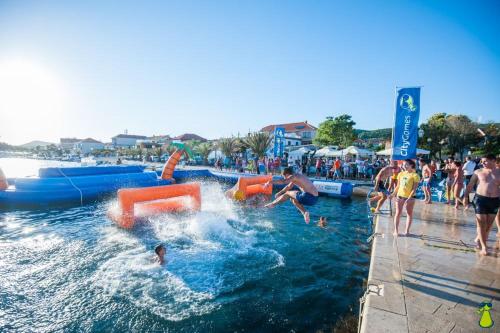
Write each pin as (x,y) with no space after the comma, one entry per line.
(217,68)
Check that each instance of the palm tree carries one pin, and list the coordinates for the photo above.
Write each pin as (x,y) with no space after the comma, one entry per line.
(228,146)
(204,149)
(258,142)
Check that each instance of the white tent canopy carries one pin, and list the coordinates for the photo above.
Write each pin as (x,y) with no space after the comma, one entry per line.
(388,152)
(216,154)
(298,153)
(325,152)
(352,150)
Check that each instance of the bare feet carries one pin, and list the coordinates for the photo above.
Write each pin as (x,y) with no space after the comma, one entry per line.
(395,234)
(483,252)
(478,244)
(306,217)
(406,233)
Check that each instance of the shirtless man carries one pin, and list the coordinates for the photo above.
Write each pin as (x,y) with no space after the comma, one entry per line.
(308,194)
(382,176)
(486,200)
(394,178)
(449,169)
(426,180)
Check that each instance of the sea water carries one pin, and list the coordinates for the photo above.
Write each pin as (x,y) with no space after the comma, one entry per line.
(229,268)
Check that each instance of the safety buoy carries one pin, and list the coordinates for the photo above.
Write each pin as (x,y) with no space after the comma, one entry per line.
(3,181)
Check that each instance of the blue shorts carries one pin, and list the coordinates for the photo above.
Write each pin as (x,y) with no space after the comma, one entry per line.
(426,183)
(306,199)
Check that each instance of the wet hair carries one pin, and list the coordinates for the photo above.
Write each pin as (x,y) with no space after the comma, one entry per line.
(287,171)
(158,248)
(457,163)
(490,157)
(411,163)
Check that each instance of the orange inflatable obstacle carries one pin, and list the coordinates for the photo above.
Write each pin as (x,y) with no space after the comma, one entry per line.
(148,201)
(247,187)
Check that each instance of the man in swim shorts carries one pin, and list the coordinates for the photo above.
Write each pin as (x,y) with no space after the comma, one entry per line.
(426,180)
(307,196)
(486,200)
(405,190)
(380,180)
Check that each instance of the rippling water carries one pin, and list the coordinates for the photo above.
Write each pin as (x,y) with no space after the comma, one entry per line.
(229,268)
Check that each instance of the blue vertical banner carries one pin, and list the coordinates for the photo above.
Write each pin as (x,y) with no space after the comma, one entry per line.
(279,141)
(405,131)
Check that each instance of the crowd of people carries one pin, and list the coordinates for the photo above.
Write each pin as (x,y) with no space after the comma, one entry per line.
(481,176)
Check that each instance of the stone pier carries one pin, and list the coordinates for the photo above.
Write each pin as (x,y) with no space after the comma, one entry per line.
(432,280)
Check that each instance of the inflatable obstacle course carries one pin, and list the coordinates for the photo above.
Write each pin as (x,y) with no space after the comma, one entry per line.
(247,187)
(143,202)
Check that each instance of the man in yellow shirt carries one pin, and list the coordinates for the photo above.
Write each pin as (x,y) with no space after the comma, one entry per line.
(405,190)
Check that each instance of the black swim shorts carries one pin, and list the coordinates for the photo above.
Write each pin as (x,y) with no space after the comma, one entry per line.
(486,205)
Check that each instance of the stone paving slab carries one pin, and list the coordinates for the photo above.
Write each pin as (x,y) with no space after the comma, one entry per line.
(433,280)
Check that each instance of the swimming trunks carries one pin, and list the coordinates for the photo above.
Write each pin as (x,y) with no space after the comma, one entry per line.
(381,187)
(306,199)
(486,205)
(426,182)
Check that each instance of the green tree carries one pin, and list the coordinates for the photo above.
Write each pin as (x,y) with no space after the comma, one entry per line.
(258,142)
(337,131)
(462,133)
(435,133)
(228,146)
(204,149)
(489,140)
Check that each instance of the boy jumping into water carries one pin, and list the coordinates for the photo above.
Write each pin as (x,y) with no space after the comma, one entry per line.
(307,196)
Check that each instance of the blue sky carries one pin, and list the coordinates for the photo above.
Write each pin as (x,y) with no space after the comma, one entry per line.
(218,68)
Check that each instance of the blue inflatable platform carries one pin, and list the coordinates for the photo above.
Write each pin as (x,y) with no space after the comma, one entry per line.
(56,186)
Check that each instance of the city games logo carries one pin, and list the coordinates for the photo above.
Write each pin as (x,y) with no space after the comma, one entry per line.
(406,102)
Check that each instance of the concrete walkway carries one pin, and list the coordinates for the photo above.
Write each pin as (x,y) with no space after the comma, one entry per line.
(432,280)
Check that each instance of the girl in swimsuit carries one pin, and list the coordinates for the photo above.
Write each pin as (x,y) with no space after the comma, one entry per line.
(458,183)
(450,171)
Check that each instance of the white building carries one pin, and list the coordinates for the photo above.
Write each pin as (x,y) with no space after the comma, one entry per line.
(126,140)
(303,129)
(68,143)
(86,146)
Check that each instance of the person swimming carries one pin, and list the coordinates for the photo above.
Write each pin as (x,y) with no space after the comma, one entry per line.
(161,251)
(307,196)
(322,222)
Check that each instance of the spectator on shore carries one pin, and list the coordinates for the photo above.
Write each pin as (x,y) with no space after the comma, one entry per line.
(486,199)
(319,164)
(407,183)
(449,170)
(468,169)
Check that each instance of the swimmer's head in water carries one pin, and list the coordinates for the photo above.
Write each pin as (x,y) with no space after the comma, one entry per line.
(160,250)
(287,172)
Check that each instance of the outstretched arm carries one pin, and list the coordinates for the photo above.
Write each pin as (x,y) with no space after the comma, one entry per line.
(468,189)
